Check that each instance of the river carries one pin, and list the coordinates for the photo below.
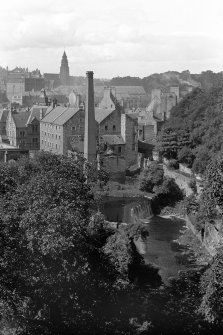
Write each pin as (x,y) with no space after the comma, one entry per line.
(163,301)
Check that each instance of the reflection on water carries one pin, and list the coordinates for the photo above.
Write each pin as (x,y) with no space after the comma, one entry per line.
(162,251)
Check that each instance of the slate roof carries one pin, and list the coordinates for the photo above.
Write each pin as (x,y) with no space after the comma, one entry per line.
(35,112)
(113,139)
(21,119)
(102,113)
(60,115)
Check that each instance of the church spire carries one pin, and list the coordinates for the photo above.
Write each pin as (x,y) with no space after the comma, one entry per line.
(64,70)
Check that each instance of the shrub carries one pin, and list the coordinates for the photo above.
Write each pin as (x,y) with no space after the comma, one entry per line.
(152,176)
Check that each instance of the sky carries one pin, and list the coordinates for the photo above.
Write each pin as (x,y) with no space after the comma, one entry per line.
(112,37)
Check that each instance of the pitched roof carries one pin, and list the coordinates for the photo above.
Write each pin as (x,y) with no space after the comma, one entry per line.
(35,113)
(102,113)
(21,119)
(60,115)
(113,139)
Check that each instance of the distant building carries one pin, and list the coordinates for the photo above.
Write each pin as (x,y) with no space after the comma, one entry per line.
(64,71)
(20,81)
(162,102)
(53,80)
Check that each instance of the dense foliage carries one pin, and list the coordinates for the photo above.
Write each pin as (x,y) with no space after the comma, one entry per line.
(167,192)
(206,211)
(211,288)
(152,176)
(193,134)
(55,276)
(184,79)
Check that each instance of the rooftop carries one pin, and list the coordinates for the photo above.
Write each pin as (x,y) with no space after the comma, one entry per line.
(60,115)
(102,113)
(21,119)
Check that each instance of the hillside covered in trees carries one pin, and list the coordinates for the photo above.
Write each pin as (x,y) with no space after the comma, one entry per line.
(184,79)
(194,133)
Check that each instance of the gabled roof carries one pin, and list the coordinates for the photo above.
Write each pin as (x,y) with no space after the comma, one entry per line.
(113,139)
(102,113)
(35,113)
(60,115)
(21,119)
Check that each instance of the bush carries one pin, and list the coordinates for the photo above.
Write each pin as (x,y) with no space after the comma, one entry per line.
(192,184)
(186,156)
(152,176)
(173,164)
(166,195)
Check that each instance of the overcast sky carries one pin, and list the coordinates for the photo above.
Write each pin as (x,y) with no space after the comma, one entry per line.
(112,37)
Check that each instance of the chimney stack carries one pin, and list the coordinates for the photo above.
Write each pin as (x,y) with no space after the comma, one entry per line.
(90,124)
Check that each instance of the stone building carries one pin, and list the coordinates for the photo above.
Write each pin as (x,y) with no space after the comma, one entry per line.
(23,128)
(20,81)
(62,129)
(162,102)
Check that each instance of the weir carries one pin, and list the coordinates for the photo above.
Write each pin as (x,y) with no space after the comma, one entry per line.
(126,210)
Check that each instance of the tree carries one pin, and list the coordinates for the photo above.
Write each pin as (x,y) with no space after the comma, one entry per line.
(152,176)
(211,287)
(186,156)
(54,276)
(193,134)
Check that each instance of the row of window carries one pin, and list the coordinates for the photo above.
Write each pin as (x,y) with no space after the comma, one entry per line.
(51,135)
(51,145)
(51,126)
(113,127)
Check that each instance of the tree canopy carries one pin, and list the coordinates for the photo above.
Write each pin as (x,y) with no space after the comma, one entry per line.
(55,277)
(193,134)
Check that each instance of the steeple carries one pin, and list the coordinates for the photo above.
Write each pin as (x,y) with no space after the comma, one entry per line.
(64,70)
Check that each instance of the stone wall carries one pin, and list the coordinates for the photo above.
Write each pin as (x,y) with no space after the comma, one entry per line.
(111,124)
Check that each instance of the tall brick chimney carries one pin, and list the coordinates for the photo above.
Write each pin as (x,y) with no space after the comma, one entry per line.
(90,125)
